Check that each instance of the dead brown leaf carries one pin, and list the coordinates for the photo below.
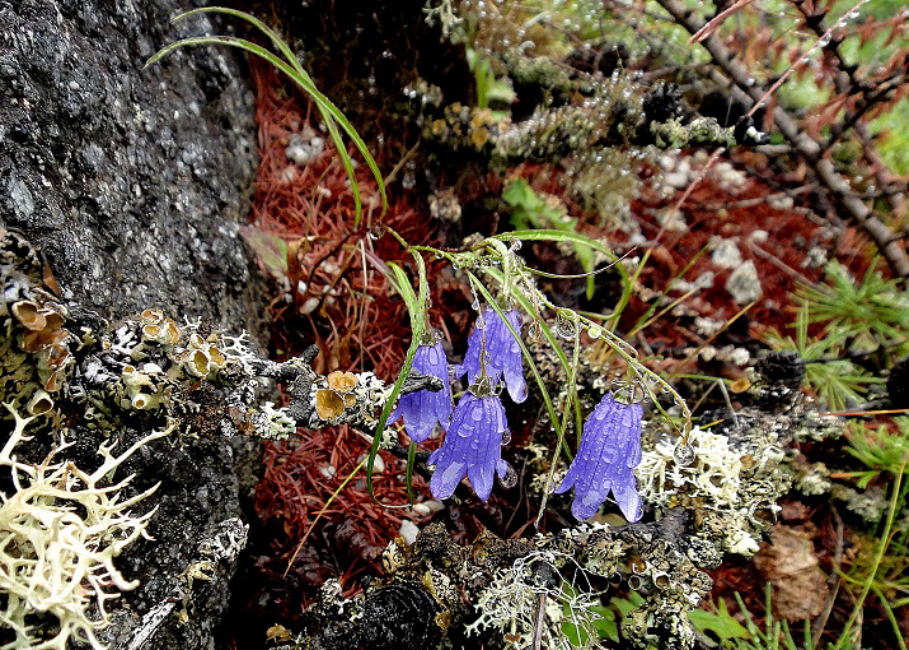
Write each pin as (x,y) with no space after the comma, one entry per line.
(790,565)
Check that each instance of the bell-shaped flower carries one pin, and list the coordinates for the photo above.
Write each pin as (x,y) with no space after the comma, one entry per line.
(472,447)
(610,450)
(492,344)
(424,409)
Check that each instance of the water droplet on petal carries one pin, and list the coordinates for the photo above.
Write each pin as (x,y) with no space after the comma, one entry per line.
(506,438)
(510,479)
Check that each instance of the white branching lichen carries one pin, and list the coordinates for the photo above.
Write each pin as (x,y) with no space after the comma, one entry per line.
(722,483)
(511,604)
(60,531)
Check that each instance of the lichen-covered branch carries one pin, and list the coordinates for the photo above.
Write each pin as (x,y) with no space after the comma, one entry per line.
(718,495)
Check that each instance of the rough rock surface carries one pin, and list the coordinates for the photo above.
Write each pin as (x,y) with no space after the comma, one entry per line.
(131,181)
(132,184)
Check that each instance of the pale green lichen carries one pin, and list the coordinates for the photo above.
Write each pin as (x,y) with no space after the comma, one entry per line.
(813,479)
(511,604)
(869,504)
(60,531)
(674,134)
(727,484)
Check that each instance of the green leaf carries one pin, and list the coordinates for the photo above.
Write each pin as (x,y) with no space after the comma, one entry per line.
(269,248)
(720,622)
(606,625)
(626,605)
(575,634)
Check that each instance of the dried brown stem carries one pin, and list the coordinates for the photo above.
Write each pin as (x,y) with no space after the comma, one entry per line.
(838,188)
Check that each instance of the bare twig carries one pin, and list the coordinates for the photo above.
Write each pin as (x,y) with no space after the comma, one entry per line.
(846,80)
(751,93)
(712,25)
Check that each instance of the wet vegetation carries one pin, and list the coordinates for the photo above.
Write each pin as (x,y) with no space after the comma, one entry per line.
(587,326)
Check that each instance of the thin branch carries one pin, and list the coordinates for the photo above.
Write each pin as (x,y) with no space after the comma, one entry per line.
(838,188)
(845,80)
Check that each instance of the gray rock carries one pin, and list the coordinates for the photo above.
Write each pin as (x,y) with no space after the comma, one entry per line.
(132,183)
(743,283)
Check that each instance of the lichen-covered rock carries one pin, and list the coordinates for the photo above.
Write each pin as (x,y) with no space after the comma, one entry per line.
(130,184)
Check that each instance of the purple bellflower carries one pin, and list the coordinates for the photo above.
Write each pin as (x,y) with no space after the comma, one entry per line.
(472,447)
(610,450)
(424,409)
(502,353)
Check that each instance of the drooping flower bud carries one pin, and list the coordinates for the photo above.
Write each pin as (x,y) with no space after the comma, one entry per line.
(424,409)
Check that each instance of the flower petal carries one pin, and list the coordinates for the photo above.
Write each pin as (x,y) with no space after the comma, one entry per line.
(472,446)
(610,449)
(422,410)
(445,481)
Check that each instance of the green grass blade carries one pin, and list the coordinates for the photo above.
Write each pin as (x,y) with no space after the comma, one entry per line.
(897,494)
(383,417)
(310,86)
(273,36)
(346,160)
(577,238)
(408,476)
(293,69)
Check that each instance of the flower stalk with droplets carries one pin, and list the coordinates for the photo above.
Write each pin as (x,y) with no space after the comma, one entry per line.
(472,446)
(422,410)
(610,450)
(493,351)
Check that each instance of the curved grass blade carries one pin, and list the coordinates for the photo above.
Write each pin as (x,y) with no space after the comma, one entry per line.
(408,476)
(321,512)
(292,68)
(578,238)
(383,419)
(415,303)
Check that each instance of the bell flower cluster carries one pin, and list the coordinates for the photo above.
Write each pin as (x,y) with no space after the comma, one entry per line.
(610,446)
(476,427)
